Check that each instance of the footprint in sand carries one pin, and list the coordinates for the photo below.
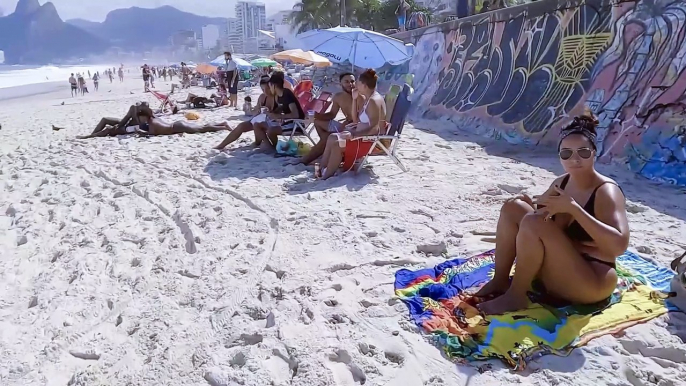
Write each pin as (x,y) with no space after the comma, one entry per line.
(353,370)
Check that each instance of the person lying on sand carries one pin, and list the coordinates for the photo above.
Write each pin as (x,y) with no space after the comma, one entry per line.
(371,120)
(568,246)
(265,100)
(110,127)
(325,123)
(153,125)
(141,120)
(220,99)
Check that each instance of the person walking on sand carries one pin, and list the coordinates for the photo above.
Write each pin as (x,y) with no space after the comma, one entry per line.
(96,80)
(121,75)
(567,239)
(109,72)
(74,86)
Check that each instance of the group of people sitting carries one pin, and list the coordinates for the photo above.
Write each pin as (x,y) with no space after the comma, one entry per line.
(565,241)
(277,108)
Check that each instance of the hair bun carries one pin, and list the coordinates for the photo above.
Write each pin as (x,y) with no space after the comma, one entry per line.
(371,73)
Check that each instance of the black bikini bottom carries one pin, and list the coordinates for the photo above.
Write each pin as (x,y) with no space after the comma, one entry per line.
(588,257)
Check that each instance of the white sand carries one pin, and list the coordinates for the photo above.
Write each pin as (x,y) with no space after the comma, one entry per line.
(177,266)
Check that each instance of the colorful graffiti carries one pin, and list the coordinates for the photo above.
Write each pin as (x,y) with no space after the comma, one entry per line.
(522,72)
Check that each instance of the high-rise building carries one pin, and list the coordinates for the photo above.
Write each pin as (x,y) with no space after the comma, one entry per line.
(252,16)
(233,40)
(210,36)
(281,17)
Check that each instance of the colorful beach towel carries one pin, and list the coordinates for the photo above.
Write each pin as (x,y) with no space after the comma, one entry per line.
(438,305)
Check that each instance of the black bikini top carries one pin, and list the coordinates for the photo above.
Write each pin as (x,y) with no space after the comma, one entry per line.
(575,231)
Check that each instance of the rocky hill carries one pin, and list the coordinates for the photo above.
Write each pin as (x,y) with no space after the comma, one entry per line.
(143,28)
(36,34)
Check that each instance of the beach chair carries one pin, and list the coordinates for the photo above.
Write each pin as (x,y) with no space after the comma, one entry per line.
(390,98)
(165,100)
(301,128)
(304,98)
(387,144)
(304,86)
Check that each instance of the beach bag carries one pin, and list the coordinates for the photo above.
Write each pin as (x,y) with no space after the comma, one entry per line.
(292,148)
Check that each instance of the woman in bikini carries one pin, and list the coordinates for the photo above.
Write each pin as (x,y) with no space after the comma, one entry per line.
(370,120)
(266,99)
(568,246)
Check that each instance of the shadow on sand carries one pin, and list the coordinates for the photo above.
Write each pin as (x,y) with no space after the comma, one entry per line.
(246,162)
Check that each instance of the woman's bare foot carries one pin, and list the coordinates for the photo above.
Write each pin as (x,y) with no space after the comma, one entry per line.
(506,302)
(493,287)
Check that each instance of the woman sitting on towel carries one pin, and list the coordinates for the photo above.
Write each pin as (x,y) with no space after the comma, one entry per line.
(265,100)
(568,238)
(370,120)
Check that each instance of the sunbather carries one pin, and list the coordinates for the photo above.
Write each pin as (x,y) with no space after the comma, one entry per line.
(326,123)
(371,120)
(141,120)
(110,127)
(281,118)
(220,99)
(266,99)
(569,247)
(156,126)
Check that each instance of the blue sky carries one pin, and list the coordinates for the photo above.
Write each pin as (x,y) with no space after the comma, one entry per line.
(96,10)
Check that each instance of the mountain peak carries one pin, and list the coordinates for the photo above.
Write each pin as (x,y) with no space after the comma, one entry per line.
(27,7)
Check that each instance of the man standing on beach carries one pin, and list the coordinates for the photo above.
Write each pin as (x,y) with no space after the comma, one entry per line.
(74,88)
(326,123)
(231,79)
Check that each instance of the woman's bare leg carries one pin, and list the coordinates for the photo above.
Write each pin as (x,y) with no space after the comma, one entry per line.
(333,158)
(186,128)
(260,133)
(273,135)
(511,214)
(233,136)
(319,148)
(544,251)
(102,129)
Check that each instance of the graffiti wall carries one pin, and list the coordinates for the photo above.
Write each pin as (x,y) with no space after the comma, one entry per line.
(520,74)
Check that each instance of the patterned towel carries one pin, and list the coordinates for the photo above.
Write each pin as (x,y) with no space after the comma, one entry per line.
(437,304)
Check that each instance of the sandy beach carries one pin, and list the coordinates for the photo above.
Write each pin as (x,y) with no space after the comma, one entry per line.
(129,261)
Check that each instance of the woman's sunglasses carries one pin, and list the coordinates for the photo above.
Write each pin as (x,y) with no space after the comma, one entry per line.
(583,152)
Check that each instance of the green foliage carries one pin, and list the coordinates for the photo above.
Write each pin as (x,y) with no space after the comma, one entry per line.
(374,15)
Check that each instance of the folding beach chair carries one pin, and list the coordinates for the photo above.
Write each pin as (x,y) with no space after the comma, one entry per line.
(303,87)
(390,98)
(387,144)
(165,100)
(301,128)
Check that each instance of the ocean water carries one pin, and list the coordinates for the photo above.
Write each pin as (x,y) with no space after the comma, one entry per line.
(15,75)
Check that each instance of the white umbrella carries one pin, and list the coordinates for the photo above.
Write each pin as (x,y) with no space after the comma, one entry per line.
(359,47)
(241,63)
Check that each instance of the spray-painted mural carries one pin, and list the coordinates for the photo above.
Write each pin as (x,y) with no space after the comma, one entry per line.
(520,73)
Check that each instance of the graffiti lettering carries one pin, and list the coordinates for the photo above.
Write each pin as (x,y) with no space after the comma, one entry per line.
(526,75)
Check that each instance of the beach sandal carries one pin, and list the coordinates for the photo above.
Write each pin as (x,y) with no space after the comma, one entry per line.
(678,283)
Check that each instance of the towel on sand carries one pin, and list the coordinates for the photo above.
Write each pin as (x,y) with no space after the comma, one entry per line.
(437,304)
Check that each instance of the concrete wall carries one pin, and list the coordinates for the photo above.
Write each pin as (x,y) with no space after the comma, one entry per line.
(521,73)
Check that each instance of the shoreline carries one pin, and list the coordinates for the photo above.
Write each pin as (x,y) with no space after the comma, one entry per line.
(29,90)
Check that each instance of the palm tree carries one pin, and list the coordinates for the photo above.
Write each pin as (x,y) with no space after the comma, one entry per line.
(313,14)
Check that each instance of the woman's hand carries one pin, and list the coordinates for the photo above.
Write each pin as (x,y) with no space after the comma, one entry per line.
(561,202)
(523,197)
(355,95)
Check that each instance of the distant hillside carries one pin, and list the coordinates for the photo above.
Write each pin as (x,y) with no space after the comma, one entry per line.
(142,28)
(37,34)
